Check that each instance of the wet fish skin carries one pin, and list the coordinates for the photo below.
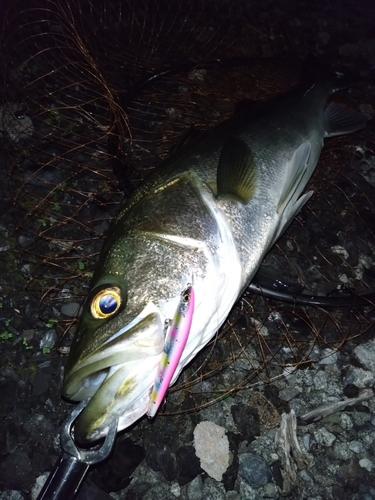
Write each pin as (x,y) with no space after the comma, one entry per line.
(207,216)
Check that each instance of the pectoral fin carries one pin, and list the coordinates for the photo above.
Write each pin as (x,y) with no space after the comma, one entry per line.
(296,171)
(290,201)
(237,176)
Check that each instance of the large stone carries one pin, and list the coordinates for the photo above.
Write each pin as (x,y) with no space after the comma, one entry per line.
(212,447)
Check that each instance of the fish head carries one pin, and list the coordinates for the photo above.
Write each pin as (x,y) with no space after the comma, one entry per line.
(153,252)
(120,337)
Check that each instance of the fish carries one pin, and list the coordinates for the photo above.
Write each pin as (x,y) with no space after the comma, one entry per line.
(206,216)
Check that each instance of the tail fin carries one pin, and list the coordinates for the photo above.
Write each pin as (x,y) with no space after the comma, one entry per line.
(340,120)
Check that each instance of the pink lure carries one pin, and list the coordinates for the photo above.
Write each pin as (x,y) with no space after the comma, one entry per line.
(174,345)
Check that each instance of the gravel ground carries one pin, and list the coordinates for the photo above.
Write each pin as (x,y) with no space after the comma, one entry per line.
(228,428)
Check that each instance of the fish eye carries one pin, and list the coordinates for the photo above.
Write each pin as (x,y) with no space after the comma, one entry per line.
(106,302)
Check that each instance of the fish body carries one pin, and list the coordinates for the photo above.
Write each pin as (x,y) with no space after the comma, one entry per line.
(206,217)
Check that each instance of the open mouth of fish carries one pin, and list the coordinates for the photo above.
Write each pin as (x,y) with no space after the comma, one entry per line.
(118,376)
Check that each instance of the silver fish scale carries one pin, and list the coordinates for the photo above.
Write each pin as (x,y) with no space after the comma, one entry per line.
(158,265)
(177,210)
(176,244)
(273,140)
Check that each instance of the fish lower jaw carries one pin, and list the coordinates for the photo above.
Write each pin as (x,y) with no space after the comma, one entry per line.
(89,434)
(89,385)
(84,388)
(123,395)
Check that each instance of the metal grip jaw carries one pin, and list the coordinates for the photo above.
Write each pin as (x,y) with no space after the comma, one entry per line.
(73,462)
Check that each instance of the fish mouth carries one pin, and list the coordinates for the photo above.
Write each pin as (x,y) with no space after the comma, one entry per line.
(117,376)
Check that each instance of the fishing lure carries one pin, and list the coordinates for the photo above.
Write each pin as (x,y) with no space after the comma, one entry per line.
(179,329)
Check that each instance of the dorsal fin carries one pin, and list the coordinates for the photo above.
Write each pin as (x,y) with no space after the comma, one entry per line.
(237,176)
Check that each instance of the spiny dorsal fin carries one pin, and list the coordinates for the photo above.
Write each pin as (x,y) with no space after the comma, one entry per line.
(237,175)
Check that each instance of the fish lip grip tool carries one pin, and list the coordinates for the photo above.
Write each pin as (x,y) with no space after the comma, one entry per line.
(177,335)
(73,462)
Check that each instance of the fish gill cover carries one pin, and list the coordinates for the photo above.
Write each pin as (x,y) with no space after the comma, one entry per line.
(110,88)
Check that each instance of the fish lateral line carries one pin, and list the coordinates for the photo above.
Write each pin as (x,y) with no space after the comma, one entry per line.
(178,330)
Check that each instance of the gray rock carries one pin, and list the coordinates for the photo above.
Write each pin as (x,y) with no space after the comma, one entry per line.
(366,355)
(70,310)
(359,377)
(4,246)
(323,437)
(304,378)
(194,489)
(176,489)
(159,491)
(299,406)
(48,340)
(270,491)
(11,495)
(289,393)
(355,446)
(213,490)
(254,469)
(306,441)
(329,357)
(346,422)
(367,464)
(320,381)
(342,451)
(360,418)
(306,476)
(247,491)
(233,495)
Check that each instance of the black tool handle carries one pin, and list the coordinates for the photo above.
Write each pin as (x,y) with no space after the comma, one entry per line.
(65,479)
(73,462)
